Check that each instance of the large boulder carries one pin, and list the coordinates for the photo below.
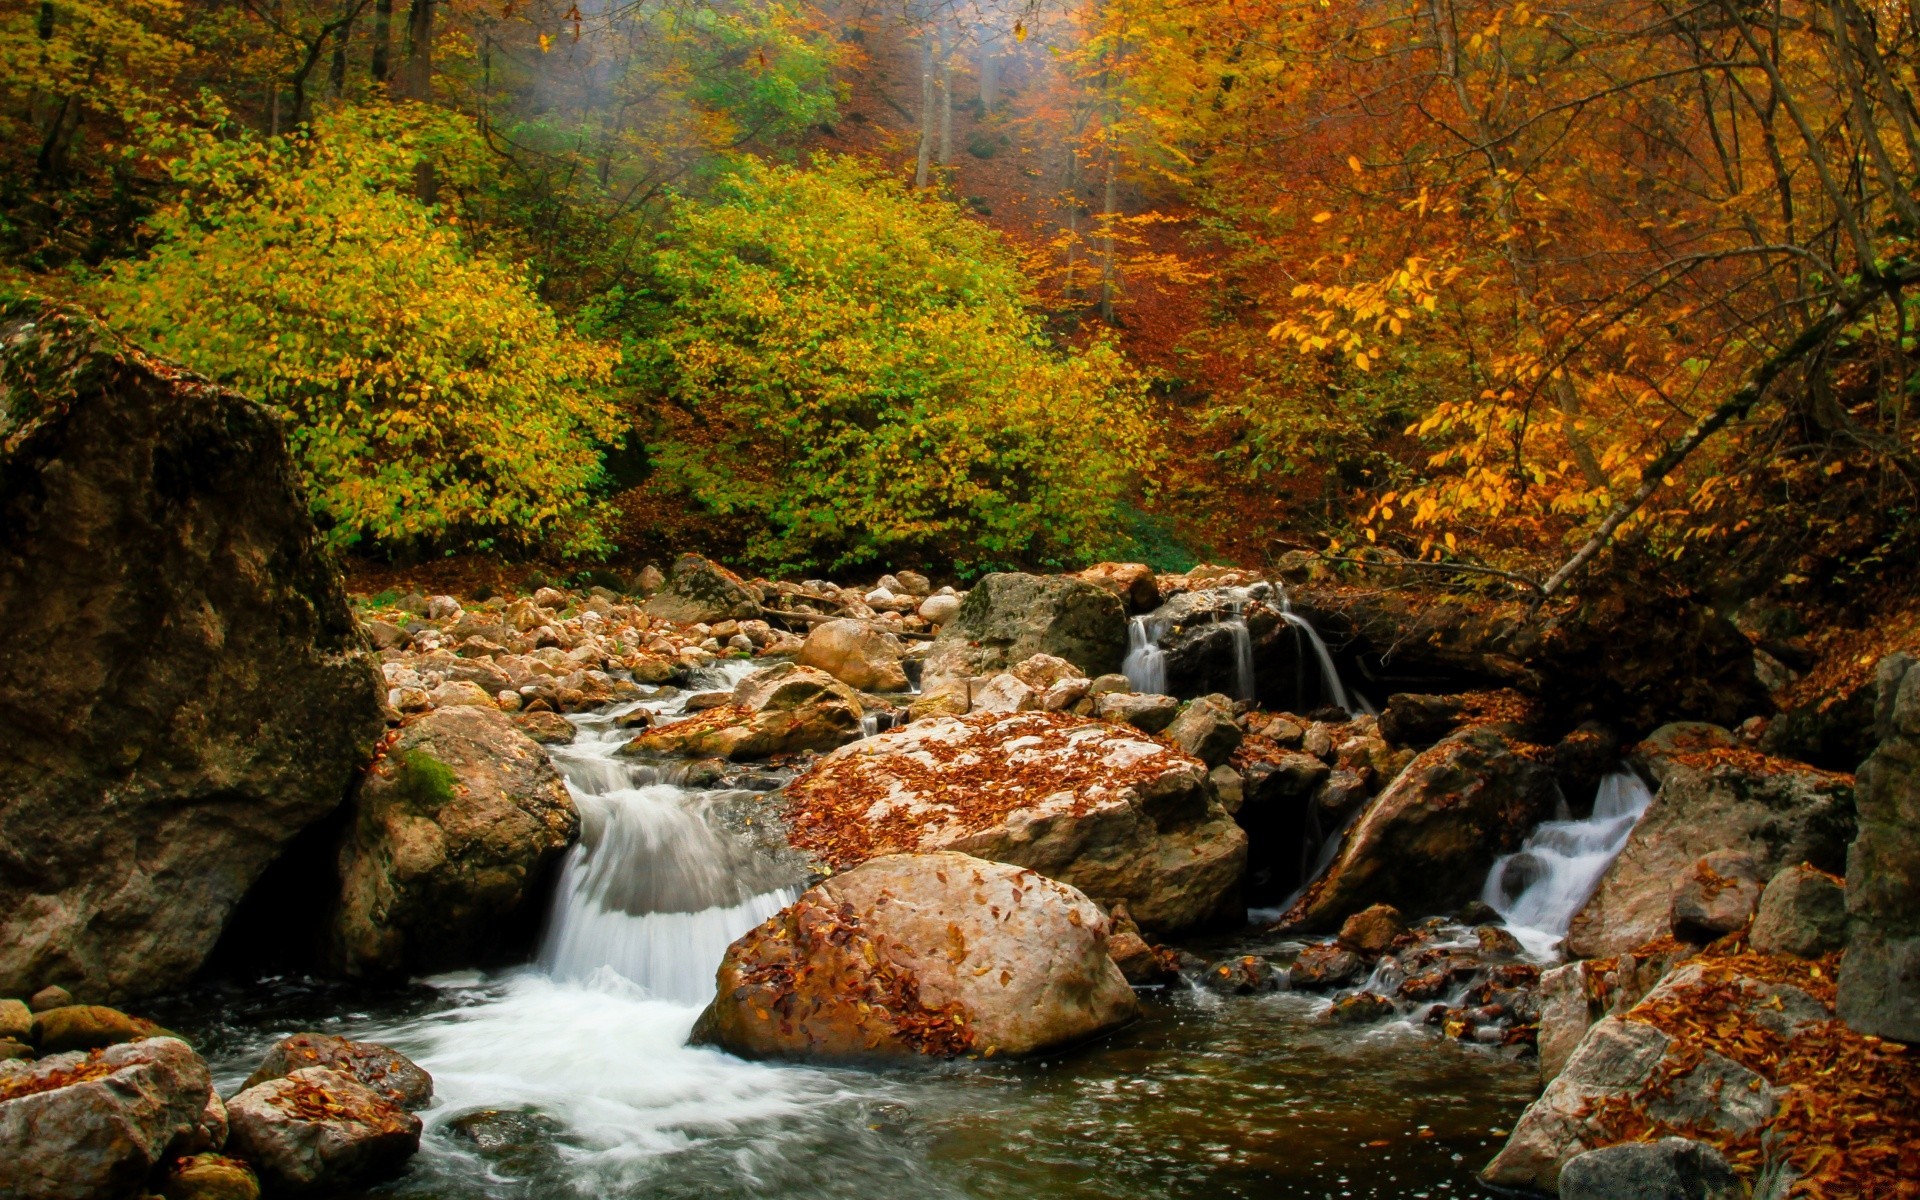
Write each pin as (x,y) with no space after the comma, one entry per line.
(84,1126)
(858,654)
(317,1130)
(921,954)
(1802,912)
(1669,1169)
(392,1074)
(1426,843)
(1880,977)
(183,688)
(454,832)
(1739,1052)
(1118,815)
(1132,582)
(701,590)
(1008,618)
(774,711)
(1712,797)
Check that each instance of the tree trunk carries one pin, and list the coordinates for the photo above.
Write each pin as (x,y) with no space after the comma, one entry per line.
(382,40)
(337,69)
(989,73)
(420,50)
(923,162)
(946,104)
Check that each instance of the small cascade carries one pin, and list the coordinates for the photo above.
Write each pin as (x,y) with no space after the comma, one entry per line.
(1146,664)
(1243,687)
(1538,889)
(1329,674)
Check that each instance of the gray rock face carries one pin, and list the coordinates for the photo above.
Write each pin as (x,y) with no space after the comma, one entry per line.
(454,829)
(318,1130)
(103,1133)
(183,687)
(700,590)
(1669,1169)
(1008,618)
(1205,729)
(1802,912)
(1880,976)
(1710,799)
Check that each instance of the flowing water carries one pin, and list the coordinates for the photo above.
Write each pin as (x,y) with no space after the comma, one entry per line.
(586,1051)
(1538,889)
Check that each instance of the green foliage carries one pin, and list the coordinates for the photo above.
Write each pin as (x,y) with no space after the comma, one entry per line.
(1151,540)
(858,374)
(426,783)
(434,399)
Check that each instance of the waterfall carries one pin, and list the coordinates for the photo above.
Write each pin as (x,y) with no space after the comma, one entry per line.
(1146,664)
(1538,889)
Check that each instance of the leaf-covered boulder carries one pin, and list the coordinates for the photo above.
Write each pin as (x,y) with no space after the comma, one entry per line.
(921,954)
(1008,618)
(386,1071)
(317,1130)
(454,832)
(183,688)
(1120,816)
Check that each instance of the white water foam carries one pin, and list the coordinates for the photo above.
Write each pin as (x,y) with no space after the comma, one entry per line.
(1538,889)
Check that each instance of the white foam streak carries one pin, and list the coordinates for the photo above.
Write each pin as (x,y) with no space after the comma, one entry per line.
(1538,889)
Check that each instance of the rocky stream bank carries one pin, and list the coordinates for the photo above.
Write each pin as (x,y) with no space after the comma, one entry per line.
(1233,882)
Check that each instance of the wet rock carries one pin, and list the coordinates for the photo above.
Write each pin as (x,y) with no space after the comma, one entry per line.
(1144,711)
(88,1027)
(521,1141)
(1715,896)
(1420,721)
(52,996)
(210,1177)
(774,711)
(388,1072)
(1371,930)
(1426,843)
(858,654)
(1008,618)
(454,831)
(1629,1072)
(921,954)
(702,591)
(1711,797)
(1133,583)
(81,1126)
(1669,1169)
(317,1130)
(1325,966)
(1582,759)
(1205,729)
(175,649)
(1496,942)
(549,728)
(1244,975)
(1880,976)
(1141,964)
(1361,1008)
(1802,912)
(1121,817)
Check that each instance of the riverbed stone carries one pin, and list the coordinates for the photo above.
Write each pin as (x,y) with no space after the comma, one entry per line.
(1326,965)
(16,1020)
(210,1177)
(88,1027)
(1715,896)
(455,831)
(1711,797)
(1668,1169)
(700,590)
(1426,843)
(1880,976)
(86,1125)
(857,653)
(1371,930)
(1802,912)
(317,1130)
(183,685)
(1120,816)
(921,954)
(1009,617)
(386,1071)
(1205,729)
(778,710)
(1145,711)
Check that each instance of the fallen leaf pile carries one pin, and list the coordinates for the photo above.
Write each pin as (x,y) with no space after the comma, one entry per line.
(310,1102)
(13,1087)
(874,798)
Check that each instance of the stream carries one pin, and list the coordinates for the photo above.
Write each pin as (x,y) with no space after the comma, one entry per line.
(584,1052)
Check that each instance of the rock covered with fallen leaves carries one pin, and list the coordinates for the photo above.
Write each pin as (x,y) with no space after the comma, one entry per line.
(1741,1051)
(1119,815)
(778,710)
(319,1130)
(921,954)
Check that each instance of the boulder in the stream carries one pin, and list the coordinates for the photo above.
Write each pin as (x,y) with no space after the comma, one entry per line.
(183,687)
(1426,843)
(88,1027)
(86,1125)
(454,833)
(1669,1169)
(210,1177)
(1120,816)
(861,655)
(1008,618)
(921,954)
(386,1071)
(777,710)
(1712,796)
(1880,976)
(317,1130)
(701,590)
(1205,729)
(1802,912)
